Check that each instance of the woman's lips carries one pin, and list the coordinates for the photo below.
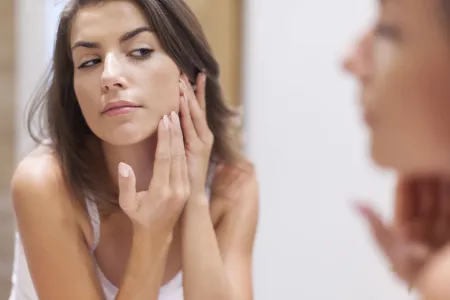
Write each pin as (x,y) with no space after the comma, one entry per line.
(117,108)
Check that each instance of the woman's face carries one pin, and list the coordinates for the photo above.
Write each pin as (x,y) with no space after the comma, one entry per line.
(119,61)
(403,67)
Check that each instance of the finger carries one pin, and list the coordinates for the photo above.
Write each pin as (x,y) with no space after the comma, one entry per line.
(186,118)
(383,236)
(127,188)
(197,114)
(440,233)
(177,152)
(428,195)
(187,132)
(185,178)
(200,92)
(161,167)
(405,201)
(442,223)
(445,206)
(444,201)
(428,192)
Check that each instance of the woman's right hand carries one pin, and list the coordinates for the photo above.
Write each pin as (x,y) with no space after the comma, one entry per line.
(157,209)
(421,226)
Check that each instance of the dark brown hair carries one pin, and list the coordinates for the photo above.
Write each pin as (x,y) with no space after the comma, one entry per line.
(59,117)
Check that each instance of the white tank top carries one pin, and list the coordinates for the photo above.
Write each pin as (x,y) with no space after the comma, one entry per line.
(22,284)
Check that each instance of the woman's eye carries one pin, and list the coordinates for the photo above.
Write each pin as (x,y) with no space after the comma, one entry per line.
(89,63)
(138,53)
(388,31)
(141,52)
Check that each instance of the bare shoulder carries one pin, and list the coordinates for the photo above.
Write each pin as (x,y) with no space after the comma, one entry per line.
(37,183)
(50,232)
(38,163)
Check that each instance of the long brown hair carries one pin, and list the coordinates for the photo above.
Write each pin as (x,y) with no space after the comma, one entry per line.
(60,118)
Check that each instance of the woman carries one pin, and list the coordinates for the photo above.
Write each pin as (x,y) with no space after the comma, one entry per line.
(112,204)
(403,67)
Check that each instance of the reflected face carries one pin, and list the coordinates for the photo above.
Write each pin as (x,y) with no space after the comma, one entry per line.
(124,81)
(403,67)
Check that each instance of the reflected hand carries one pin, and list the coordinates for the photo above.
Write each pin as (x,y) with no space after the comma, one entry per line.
(421,225)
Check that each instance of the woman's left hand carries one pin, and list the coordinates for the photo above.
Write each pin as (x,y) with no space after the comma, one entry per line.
(198,138)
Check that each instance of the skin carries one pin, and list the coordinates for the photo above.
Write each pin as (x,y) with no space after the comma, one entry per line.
(402,67)
(158,155)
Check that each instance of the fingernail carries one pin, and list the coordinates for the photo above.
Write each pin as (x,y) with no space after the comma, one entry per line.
(173,117)
(183,85)
(124,170)
(360,208)
(166,121)
(203,78)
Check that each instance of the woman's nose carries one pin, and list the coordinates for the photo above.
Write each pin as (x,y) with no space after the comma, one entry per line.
(358,60)
(112,76)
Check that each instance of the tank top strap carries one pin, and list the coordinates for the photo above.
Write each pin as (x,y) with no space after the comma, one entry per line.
(95,221)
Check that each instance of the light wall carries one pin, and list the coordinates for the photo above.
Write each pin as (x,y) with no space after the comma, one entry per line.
(30,64)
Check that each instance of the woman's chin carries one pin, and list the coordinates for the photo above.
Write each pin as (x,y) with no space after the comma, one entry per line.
(412,163)
(121,137)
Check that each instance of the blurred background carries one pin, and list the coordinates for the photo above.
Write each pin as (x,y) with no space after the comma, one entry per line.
(280,63)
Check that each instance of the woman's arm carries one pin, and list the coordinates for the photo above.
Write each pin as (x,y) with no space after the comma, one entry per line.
(218,264)
(58,257)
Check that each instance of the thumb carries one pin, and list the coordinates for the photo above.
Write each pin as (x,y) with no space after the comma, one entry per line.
(381,233)
(127,188)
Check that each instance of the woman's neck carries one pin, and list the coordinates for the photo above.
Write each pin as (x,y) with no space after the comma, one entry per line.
(139,157)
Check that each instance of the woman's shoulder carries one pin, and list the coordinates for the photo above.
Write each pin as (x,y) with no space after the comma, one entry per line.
(38,170)
(38,183)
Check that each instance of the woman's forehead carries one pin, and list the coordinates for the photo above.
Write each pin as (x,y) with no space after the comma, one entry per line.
(107,18)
